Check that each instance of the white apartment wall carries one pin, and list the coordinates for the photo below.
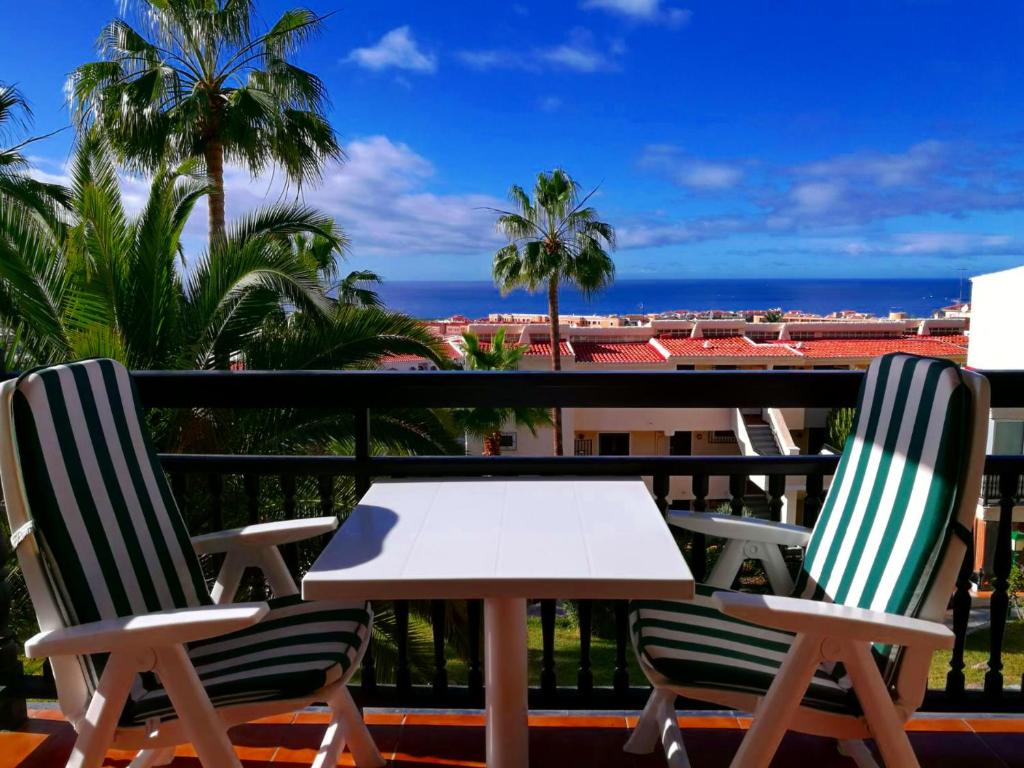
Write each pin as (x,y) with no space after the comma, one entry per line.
(996,320)
(664,420)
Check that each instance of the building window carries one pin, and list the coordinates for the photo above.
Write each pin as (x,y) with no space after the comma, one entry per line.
(509,441)
(721,436)
(725,367)
(613,444)
(684,367)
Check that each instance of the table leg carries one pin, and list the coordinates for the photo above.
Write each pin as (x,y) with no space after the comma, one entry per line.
(506,682)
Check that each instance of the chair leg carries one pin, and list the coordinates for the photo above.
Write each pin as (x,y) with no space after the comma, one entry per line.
(775,712)
(228,579)
(886,728)
(96,730)
(200,720)
(671,736)
(728,564)
(775,568)
(152,758)
(858,751)
(645,734)
(347,725)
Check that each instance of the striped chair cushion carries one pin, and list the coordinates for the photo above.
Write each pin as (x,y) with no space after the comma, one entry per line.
(696,646)
(112,538)
(881,532)
(888,512)
(294,651)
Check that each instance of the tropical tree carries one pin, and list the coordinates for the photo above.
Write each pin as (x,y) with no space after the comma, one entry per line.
(23,199)
(187,79)
(356,287)
(555,239)
(485,422)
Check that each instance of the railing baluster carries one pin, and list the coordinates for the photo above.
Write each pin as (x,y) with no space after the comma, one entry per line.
(1000,603)
(216,488)
(661,486)
(776,492)
(290,552)
(325,490)
(361,427)
(403,678)
(251,484)
(699,566)
(813,500)
(737,490)
(548,683)
(620,678)
(955,680)
(584,675)
(475,681)
(437,621)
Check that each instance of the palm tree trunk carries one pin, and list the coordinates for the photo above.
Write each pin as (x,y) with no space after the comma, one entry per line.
(556,357)
(492,444)
(213,153)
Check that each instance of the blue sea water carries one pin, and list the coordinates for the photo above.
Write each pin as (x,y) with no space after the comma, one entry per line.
(918,297)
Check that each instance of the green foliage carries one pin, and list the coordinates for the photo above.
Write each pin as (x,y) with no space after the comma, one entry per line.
(179,80)
(486,421)
(773,316)
(838,425)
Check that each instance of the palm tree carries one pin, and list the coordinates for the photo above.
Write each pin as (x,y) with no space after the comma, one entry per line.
(35,203)
(486,422)
(196,80)
(354,288)
(554,239)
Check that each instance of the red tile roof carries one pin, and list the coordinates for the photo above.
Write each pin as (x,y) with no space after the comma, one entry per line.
(544,348)
(931,346)
(729,346)
(616,352)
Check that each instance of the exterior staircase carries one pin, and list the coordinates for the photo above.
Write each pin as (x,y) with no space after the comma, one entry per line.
(762,439)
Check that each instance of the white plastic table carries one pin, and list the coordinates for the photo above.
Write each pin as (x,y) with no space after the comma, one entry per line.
(503,540)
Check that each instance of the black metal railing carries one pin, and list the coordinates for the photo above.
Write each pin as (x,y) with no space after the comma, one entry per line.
(225,489)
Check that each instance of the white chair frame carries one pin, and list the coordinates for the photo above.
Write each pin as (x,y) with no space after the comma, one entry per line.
(155,642)
(827,632)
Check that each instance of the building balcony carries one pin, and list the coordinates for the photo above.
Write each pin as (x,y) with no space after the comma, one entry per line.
(584,665)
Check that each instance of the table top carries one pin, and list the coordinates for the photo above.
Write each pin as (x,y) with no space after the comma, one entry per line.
(498,537)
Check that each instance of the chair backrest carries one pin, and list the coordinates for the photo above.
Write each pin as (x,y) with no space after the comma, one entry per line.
(80,474)
(893,530)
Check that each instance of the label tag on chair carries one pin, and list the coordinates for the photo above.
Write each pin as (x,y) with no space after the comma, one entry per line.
(22,533)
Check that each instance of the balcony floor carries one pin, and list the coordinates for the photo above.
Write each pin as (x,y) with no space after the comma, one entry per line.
(424,740)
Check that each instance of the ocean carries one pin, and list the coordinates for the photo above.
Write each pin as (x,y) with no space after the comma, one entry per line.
(918,297)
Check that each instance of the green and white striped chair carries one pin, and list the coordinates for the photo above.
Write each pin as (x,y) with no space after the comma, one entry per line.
(143,657)
(846,655)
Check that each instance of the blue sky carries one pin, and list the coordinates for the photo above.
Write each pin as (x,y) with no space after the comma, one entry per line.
(729,138)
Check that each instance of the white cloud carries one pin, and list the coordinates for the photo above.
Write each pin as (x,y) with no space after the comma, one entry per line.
(380,198)
(579,53)
(395,50)
(689,171)
(550,104)
(642,10)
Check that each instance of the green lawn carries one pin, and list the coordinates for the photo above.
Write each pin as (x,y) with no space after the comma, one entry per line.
(567,657)
(976,658)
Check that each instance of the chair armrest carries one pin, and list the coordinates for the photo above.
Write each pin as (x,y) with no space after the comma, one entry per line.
(263,535)
(745,528)
(149,630)
(812,617)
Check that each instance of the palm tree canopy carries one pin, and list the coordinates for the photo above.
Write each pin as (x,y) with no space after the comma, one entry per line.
(193,71)
(484,421)
(43,204)
(555,235)
(193,78)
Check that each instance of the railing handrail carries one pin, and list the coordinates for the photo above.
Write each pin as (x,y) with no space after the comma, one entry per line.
(578,389)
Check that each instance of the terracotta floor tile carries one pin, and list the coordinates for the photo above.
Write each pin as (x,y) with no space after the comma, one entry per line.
(938,724)
(441,719)
(300,743)
(954,750)
(15,747)
(456,745)
(996,724)
(571,721)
